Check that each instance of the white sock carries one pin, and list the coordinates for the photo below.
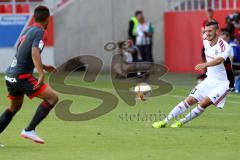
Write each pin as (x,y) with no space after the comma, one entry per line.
(197,111)
(179,109)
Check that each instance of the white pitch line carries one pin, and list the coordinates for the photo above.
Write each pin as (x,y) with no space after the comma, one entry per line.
(168,95)
(230,95)
(223,114)
(235,96)
(178,96)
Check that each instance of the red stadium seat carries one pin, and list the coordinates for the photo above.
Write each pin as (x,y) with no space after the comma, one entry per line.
(19,8)
(238,4)
(35,0)
(231,4)
(1,8)
(26,8)
(8,8)
(224,4)
(21,0)
(22,8)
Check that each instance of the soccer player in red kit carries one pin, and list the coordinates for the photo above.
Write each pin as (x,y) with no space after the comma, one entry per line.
(20,80)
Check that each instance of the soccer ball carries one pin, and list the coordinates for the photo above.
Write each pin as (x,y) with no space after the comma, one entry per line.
(143,91)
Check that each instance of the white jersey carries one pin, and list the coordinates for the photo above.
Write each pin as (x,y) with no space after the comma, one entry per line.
(221,49)
(141,38)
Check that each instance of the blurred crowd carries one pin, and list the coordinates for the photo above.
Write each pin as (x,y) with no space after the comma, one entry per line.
(141,33)
(138,48)
(233,29)
(231,33)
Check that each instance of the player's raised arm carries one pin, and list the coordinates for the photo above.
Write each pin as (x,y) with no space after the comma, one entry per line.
(215,62)
(212,63)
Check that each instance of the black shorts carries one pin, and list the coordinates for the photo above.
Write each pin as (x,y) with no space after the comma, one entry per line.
(23,84)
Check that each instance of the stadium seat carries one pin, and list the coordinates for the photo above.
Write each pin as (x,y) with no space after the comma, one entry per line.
(224,4)
(21,0)
(238,4)
(35,0)
(231,5)
(1,9)
(22,8)
(8,8)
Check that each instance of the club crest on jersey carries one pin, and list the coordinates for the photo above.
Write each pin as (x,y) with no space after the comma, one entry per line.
(14,62)
(41,45)
(216,52)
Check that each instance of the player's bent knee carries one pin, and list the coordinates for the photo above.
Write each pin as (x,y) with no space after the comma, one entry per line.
(56,99)
(191,100)
(53,99)
(50,96)
(205,103)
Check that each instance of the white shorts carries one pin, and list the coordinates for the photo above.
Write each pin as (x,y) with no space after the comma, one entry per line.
(216,91)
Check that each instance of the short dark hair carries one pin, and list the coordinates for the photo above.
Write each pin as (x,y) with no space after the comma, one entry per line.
(41,13)
(138,13)
(122,44)
(225,34)
(210,10)
(212,23)
(224,30)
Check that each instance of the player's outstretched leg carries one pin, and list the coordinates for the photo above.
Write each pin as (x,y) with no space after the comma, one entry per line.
(177,110)
(8,114)
(197,111)
(50,98)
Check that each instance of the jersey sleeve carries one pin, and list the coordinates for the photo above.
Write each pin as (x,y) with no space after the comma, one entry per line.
(38,40)
(225,51)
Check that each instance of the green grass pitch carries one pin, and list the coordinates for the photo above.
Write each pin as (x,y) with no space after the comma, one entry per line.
(122,134)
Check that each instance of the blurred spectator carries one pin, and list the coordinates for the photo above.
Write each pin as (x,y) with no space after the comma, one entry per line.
(133,23)
(233,24)
(144,39)
(235,48)
(210,18)
(235,56)
(123,61)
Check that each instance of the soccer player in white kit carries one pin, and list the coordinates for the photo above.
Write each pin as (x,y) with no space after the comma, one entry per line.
(214,88)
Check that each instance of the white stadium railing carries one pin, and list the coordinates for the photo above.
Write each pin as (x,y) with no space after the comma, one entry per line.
(192,5)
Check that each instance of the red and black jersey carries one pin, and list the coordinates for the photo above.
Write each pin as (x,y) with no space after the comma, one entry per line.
(22,62)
